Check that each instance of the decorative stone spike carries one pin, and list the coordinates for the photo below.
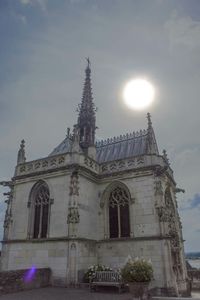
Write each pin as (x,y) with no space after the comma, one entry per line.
(149,120)
(68,132)
(21,153)
(165,157)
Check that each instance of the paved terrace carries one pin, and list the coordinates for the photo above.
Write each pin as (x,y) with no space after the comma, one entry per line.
(76,294)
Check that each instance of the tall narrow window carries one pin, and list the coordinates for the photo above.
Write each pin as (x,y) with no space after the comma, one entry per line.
(119,222)
(41,204)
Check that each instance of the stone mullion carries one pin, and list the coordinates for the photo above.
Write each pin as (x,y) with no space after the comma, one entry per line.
(40,223)
(119,220)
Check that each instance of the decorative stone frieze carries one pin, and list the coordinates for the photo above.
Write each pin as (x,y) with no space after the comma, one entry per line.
(8,215)
(73,215)
(74,184)
(158,188)
(40,165)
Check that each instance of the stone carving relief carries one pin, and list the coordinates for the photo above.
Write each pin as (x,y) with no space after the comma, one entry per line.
(167,214)
(90,163)
(8,215)
(73,215)
(74,184)
(40,165)
(122,165)
(158,188)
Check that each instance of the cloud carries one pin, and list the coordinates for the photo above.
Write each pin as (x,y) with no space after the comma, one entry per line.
(25,2)
(183,32)
(195,202)
(22,19)
(41,3)
(192,203)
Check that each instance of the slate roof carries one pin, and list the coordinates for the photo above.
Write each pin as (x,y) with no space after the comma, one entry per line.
(121,147)
(64,147)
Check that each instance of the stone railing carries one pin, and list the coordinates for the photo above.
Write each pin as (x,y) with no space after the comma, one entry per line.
(194,274)
(133,163)
(44,164)
(89,163)
(55,162)
(19,280)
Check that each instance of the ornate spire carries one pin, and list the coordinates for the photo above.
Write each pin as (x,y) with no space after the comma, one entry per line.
(21,153)
(151,146)
(87,110)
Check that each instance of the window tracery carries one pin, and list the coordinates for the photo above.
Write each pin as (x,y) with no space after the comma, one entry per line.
(40,198)
(119,223)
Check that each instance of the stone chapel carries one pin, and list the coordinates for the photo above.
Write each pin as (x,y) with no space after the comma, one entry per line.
(91,202)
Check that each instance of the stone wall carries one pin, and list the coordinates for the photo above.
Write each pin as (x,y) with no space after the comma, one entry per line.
(19,280)
(195,277)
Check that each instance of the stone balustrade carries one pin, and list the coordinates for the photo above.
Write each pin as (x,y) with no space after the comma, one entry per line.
(44,164)
(57,161)
(135,162)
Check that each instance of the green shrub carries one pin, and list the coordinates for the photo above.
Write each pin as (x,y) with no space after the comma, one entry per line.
(137,270)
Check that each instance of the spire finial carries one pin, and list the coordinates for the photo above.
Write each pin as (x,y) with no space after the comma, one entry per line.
(151,145)
(149,120)
(88,62)
(165,157)
(68,132)
(21,153)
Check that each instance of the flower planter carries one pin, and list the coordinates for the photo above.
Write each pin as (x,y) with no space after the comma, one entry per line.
(139,290)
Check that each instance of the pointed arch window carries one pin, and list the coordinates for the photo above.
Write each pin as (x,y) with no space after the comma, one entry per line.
(40,210)
(119,220)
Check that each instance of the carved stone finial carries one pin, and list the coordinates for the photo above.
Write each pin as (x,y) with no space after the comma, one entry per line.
(68,132)
(88,62)
(149,120)
(21,153)
(76,139)
(165,157)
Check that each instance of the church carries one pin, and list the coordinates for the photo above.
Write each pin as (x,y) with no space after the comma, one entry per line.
(95,202)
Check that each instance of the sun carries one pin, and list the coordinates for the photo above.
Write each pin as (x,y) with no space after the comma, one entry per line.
(138,93)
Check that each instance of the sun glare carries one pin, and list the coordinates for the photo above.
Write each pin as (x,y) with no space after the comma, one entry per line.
(138,93)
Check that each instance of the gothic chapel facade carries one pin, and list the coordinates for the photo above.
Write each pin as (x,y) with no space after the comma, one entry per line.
(93,202)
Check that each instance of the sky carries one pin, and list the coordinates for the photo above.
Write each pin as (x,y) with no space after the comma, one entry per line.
(43,45)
